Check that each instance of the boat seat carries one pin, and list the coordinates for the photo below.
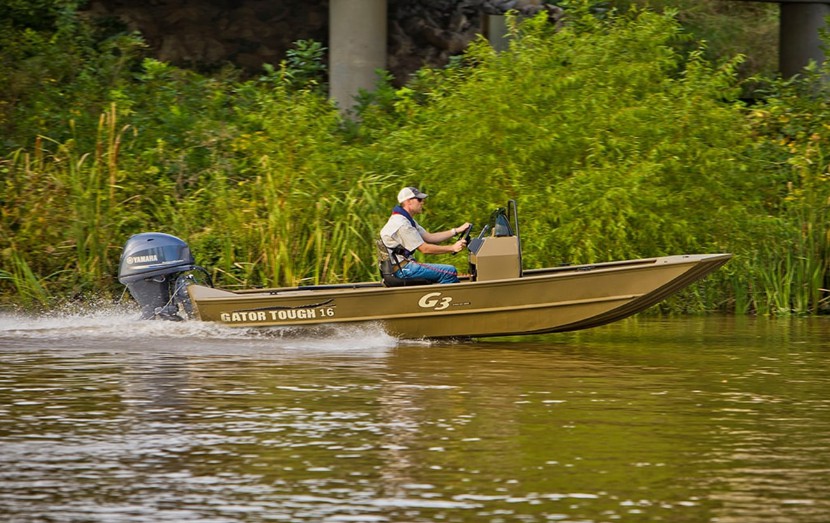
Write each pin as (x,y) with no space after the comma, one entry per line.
(393,281)
(387,274)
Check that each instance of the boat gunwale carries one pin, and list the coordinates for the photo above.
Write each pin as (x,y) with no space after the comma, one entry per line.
(528,276)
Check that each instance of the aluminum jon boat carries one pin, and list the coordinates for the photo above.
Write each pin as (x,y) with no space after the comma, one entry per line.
(498,298)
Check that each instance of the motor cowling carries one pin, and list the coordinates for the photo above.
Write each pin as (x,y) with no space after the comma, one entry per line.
(156,268)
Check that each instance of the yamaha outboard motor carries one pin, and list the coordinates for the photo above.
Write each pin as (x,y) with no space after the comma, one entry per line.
(156,268)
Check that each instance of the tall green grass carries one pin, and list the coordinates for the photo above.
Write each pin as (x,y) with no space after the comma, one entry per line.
(30,289)
(792,269)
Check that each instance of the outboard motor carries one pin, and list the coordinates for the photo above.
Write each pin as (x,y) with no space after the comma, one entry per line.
(157,268)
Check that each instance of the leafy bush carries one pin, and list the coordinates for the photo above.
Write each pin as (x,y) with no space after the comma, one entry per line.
(607,137)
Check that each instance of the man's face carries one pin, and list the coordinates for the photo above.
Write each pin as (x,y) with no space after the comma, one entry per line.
(415,205)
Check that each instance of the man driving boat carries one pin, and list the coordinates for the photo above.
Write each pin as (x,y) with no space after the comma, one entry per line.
(402,236)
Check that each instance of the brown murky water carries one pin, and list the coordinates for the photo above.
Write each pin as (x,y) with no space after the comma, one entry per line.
(685,420)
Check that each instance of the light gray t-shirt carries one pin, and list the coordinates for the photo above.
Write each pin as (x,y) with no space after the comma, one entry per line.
(398,231)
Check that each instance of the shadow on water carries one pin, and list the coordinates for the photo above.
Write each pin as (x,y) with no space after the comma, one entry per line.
(694,419)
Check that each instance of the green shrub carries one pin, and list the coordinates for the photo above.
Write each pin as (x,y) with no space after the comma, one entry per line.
(606,136)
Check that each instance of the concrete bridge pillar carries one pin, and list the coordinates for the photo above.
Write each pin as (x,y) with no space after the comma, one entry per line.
(357,47)
(495,29)
(801,24)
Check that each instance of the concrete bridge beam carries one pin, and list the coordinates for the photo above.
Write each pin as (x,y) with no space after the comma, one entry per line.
(801,25)
(357,47)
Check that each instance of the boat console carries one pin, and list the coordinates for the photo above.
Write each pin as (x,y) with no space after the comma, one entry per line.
(496,253)
(494,258)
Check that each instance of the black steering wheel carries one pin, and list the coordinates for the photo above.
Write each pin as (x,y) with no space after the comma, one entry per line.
(465,235)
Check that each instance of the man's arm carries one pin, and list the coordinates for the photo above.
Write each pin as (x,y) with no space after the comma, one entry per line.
(432,239)
(440,237)
(431,248)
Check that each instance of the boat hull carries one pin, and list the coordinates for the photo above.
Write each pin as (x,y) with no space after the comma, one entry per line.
(540,301)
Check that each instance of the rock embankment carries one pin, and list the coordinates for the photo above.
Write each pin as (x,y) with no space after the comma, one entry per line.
(206,34)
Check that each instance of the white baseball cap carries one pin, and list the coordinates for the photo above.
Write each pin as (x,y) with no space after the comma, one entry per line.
(410,192)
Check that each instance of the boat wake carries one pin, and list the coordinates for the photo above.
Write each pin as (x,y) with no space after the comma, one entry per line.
(118,326)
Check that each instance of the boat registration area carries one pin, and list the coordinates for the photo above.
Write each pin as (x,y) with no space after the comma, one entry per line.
(271,316)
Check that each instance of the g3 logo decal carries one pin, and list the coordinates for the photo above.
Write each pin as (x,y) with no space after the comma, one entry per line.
(434,301)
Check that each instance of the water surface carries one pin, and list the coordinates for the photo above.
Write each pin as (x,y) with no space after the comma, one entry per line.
(682,420)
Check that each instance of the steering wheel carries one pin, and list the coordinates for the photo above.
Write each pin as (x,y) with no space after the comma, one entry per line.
(465,235)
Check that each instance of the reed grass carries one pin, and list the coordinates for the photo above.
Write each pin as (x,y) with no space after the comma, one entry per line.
(30,289)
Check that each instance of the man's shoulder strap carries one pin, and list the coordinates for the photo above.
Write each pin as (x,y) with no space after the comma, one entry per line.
(401,211)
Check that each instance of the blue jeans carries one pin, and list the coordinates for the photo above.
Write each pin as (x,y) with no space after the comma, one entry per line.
(435,272)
